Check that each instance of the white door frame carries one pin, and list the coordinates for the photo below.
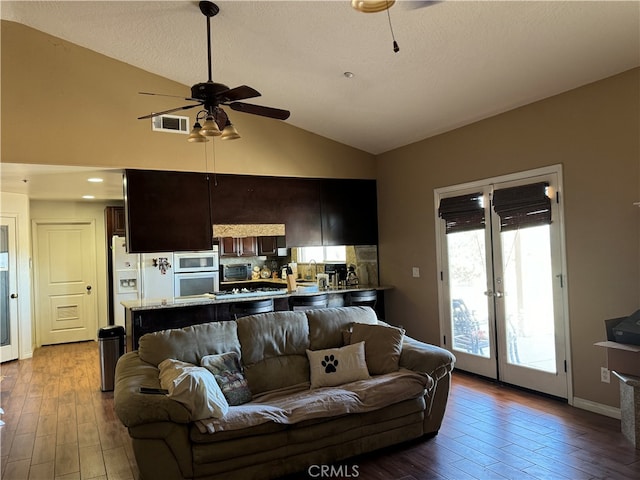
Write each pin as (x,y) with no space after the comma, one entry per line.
(443,309)
(16,205)
(10,264)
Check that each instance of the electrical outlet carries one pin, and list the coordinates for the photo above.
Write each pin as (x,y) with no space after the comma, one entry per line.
(605,375)
(416,272)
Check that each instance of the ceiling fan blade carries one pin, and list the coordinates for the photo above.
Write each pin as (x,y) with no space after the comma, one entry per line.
(260,110)
(166,95)
(414,5)
(239,93)
(155,114)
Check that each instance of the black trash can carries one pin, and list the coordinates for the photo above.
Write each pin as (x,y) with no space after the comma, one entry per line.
(111,348)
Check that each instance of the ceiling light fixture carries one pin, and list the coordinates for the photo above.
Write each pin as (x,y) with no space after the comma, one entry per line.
(95,180)
(372,6)
(229,132)
(210,127)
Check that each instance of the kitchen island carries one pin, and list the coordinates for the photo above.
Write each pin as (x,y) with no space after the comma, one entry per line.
(152,315)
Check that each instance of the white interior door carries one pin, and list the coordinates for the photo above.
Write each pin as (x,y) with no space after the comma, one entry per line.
(502,301)
(65,272)
(8,290)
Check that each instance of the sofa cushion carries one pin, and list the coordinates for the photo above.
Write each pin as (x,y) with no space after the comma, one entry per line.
(195,387)
(189,344)
(274,349)
(228,373)
(326,325)
(382,346)
(337,366)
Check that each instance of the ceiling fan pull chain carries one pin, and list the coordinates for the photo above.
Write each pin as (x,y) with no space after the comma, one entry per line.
(396,48)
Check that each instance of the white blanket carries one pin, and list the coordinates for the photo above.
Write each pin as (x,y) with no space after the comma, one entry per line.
(298,403)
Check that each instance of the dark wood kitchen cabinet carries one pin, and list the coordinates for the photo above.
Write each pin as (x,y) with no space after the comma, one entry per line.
(349,212)
(238,247)
(167,211)
(269,245)
(295,202)
(115,221)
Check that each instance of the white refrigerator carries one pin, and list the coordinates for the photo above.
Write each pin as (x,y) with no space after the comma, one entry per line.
(143,276)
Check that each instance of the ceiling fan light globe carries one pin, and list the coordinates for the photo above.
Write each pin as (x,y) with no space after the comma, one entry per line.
(372,6)
(210,128)
(230,133)
(195,136)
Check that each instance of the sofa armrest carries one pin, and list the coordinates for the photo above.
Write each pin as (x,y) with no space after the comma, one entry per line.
(423,357)
(134,408)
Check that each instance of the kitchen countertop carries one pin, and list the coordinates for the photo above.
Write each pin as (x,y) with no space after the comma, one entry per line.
(209,299)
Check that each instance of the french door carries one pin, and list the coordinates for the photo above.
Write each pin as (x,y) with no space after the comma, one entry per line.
(501,289)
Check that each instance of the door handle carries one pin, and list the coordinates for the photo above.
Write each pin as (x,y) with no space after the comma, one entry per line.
(13,295)
(491,293)
(88,288)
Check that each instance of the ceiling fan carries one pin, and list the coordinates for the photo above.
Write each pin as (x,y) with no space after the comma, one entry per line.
(210,95)
(375,6)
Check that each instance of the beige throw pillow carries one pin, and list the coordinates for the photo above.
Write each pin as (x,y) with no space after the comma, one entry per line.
(195,387)
(382,346)
(337,366)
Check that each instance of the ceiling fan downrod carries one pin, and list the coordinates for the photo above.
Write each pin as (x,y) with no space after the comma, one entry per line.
(209,9)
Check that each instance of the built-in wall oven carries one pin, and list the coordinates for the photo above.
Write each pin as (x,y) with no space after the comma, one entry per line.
(196,273)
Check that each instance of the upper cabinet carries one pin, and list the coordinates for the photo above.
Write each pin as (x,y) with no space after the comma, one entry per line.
(238,247)
(349,212)
(115,220)
(175,211)
(240,199)
(167,211)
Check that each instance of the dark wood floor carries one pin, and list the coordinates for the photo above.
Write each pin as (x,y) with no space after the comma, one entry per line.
(59,425)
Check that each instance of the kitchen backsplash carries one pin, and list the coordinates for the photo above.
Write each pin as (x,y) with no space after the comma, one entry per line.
(365,259)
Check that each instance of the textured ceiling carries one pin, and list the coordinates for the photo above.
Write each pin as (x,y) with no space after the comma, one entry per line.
(459,61)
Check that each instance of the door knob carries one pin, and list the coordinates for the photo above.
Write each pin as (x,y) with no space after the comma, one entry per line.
(14,295)
(489,293)
(88,288)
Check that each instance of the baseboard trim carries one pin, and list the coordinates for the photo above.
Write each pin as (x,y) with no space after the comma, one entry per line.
(594,407)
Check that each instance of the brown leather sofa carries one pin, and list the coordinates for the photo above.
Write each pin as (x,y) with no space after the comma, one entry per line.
(169,444)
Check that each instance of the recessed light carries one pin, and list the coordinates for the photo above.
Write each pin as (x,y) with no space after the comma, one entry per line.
(95,180)
(88,197)
(348,74)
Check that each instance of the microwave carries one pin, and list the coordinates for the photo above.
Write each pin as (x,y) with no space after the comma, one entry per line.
(187,262)
(235,272)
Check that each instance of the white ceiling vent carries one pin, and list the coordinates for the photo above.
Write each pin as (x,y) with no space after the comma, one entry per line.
(170,123)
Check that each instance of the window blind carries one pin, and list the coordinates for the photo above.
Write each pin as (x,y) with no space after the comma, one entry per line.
(523,206)
(462,213)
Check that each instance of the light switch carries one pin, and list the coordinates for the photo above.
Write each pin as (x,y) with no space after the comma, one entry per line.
(416,272)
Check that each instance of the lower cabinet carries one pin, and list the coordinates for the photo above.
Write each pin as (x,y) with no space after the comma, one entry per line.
(139,322)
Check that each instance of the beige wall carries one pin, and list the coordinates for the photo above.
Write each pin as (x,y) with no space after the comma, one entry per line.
(594,132)
(65,105)
(90,103)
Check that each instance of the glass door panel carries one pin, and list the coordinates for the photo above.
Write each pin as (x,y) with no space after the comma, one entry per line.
(467,282)
(528,298)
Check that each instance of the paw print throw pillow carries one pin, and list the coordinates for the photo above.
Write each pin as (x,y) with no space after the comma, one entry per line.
(336,366)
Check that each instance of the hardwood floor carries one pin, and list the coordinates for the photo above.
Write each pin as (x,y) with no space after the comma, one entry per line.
(59,425)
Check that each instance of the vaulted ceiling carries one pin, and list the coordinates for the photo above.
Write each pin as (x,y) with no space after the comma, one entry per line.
(459,61)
